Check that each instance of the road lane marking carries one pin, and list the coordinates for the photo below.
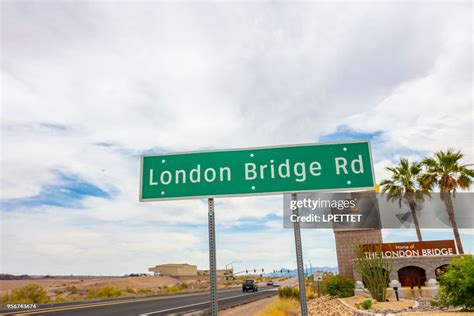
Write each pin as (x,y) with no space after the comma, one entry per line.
(201,303)
(99,304)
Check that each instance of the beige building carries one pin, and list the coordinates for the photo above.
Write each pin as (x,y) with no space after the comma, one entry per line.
(409,270)
(414,271)
(174,269)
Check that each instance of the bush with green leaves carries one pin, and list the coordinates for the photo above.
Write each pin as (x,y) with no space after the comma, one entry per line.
(434,303)
(457,283)
(367,304)
(338,285)
(288,292)
(104,292)
(31,293)
(71,289)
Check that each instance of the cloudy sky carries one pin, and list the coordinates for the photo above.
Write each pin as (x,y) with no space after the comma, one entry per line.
(89,87)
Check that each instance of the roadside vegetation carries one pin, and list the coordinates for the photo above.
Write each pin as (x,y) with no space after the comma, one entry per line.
(457,283)
(375,271)
(338,286)
(65,292)
(294,293)
(281,307)
(366,304)
(104,292)
(34,293)
(288,292)
(287,302)
(31,293)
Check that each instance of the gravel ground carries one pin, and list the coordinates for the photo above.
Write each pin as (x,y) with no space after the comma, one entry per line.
(449,313)
(406,307)
(328,306)
(391,306)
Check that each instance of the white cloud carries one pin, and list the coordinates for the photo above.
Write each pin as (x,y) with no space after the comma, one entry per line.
(433,111)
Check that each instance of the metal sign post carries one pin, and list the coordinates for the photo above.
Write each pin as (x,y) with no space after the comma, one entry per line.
(299,262)
(318,277)
(212,257)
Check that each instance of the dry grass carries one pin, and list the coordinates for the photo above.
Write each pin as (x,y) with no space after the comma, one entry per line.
(31,293)
(250,308)
(281,307)
(64,284)
(310,294)
(77,288)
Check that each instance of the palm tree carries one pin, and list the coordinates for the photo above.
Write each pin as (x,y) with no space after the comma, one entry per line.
(404,187)
(444,171)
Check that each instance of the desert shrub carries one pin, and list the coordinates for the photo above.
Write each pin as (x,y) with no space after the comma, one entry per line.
(144,291)
(457,283)
(58,291)
(170,289)
(130,290)
(103,292)
(338,285)
(310,292)
(288,292)
(367,304)
(375,271)
(60,299)
(71,289)
(281,307)
(5,299)
(182,286)
(31,293)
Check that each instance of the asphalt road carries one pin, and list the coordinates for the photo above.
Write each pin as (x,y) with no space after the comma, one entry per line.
(143,306)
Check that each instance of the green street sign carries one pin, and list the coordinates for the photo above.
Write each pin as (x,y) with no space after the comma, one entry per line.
(257,171)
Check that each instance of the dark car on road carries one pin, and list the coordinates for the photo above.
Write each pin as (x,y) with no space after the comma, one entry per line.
(249,285)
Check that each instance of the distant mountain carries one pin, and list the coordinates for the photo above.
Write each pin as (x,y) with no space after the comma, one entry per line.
(5,276)
(293,272)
